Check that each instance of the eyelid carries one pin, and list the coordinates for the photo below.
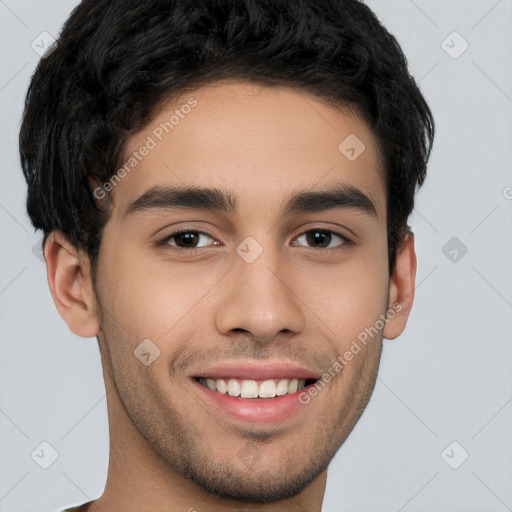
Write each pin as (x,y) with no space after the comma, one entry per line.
(164,242)
(346,241)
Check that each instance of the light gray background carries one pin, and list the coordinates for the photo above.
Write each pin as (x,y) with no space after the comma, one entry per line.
(447,378)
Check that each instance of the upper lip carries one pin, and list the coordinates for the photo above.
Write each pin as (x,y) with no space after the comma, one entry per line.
(257,371)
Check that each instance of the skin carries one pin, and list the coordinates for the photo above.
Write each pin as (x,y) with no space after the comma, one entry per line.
(169,450)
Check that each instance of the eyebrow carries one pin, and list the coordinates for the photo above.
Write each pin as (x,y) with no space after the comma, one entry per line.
(338,196)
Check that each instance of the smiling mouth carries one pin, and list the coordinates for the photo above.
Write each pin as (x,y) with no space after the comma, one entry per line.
(249,388)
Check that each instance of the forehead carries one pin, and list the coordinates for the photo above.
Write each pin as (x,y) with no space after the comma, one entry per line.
(256,142)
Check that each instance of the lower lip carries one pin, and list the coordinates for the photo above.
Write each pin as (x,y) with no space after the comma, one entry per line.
(256,410)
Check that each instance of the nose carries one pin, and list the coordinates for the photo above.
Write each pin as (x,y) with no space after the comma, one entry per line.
(258,298)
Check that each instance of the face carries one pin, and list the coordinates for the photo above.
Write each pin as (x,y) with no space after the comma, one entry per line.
(255,279)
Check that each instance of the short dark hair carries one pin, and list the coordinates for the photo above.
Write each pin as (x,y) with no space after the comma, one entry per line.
(117,61)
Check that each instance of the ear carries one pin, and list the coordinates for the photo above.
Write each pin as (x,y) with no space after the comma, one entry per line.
(401,288)
(70,282)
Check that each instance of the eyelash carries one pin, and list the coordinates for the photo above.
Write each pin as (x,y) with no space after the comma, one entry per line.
(164,241)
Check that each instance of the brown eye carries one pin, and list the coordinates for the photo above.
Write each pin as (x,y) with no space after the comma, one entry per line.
(322,239)
(184,240)
(319,237)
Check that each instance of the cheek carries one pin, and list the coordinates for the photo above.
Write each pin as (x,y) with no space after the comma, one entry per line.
(132,298)
(348,296)
(158,299)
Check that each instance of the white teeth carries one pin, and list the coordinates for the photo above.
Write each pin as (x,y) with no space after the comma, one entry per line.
(282,387)
(222,387)
(247,388)
(211,384)
(267,389)
(233,387)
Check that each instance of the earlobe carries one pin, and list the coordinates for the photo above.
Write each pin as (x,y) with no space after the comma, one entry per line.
(70,282)
(401,288)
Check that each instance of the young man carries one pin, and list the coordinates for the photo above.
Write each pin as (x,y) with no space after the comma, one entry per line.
(224,190)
